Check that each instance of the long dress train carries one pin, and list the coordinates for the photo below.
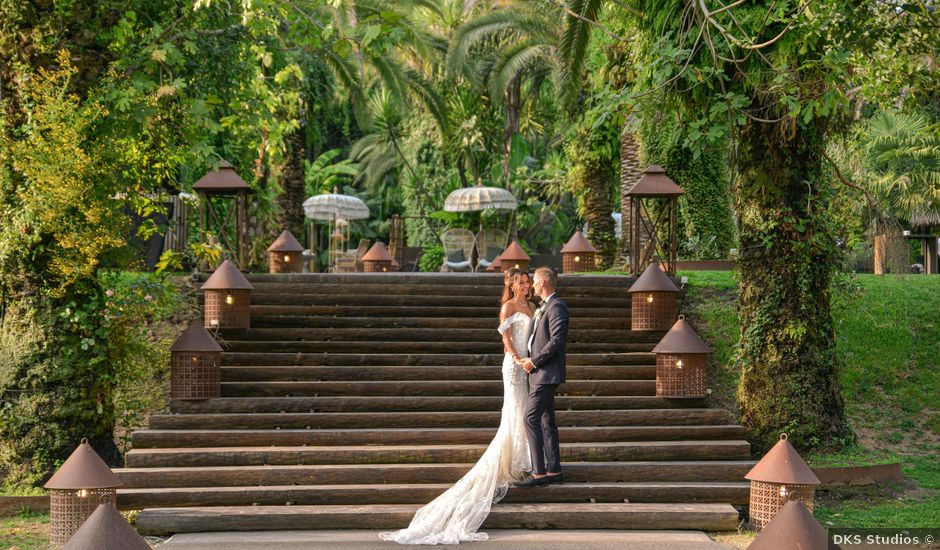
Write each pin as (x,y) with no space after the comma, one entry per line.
(458,513)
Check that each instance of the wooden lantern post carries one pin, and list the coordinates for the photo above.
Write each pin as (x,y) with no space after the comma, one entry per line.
(650,236)
(223,199)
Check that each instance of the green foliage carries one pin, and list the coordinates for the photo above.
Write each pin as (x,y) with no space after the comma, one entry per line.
(323,175)
(431,259)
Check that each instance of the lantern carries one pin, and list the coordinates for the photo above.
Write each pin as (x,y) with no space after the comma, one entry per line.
(496,266)
(76,490)
(223,195)
(793,527)
(228,298)
(195,361)
(377,259)
(514,257)
(652,231)
(285,255)
(578,254)
(106,529)
(653,302)
(680,362)
(780,476)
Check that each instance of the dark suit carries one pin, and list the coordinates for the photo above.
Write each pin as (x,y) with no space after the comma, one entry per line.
(547,352)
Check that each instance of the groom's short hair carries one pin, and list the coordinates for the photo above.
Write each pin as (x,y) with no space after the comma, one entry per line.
(549,275)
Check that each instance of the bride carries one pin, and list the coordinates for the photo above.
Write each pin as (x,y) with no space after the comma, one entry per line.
(456,514)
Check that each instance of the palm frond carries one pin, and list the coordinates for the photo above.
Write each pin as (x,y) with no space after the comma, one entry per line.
(574,43)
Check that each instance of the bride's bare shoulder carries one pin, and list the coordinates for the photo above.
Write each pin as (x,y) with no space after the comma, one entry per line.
(506,311)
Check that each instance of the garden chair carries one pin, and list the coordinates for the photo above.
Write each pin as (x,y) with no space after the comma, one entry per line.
(351,260)
(458,249)
(489,243)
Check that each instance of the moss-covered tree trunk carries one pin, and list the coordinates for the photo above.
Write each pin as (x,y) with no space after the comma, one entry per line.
(630,172)
(293,188)
(789,371)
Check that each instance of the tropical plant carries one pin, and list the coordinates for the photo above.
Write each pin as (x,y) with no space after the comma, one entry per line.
(323,175)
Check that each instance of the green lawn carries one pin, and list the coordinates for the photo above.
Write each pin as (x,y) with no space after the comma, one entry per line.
(887,336)
(25,531)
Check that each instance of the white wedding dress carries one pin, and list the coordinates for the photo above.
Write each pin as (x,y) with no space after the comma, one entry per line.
(456,514)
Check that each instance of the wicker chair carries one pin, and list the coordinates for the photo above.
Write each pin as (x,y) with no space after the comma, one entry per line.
(489,243)
(351,260)
(458,249)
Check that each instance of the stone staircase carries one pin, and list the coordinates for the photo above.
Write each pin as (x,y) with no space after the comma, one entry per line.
(355,398)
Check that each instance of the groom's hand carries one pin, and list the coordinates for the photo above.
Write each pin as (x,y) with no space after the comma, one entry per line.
(527,365)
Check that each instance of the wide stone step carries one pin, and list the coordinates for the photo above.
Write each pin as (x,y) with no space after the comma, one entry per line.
(350,474)
(381,373)
(415,404)
(451,347)
(566,289)
(429,280)
(353,420)
(419,359)
(409,454)
(464,299)
(236,437)
(294,495)
(486,323)
(448,335)
(710,517)
(426,388)
(451,311)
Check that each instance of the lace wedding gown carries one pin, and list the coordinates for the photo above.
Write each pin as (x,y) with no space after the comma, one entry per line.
(456,514)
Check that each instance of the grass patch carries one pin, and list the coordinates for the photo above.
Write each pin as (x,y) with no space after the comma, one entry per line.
(887,329)
(25,531)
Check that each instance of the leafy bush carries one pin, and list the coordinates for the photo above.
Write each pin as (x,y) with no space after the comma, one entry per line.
(432,259)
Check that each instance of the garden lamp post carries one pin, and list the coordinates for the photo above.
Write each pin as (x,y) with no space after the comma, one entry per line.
(514,257)
(106,529)
(228,298)
(658,226)
(285,255)
(76,490)
(793,527)
(680,362)
(195,364)
(780,476)
(377,259)
(578,254)
(223,199)
(653,300)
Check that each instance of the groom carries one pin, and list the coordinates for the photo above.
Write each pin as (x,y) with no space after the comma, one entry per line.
(546,368)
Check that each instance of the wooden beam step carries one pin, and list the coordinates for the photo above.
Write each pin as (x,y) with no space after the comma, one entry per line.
(451,311)
(429,298)
(566,290)
(448,335)
(708,517)
(351,474)
(414,404)
(418,359)
(426,388)
(427,279)
(461,419)
(237,437)
(451,347)
(317,321)
(399,454)
(377,373)
(294,495)
(157,438)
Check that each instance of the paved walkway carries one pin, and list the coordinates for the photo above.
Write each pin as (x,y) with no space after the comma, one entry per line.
(499,540)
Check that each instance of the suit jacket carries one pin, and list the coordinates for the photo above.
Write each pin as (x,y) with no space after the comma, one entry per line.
(548,344)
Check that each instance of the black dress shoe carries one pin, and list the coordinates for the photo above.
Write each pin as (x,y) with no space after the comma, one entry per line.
(559,478)
(532,482)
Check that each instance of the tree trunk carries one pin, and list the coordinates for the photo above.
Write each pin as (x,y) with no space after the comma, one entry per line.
(597,202)
(293,188)
(513,104)
(786,355)
(629,174)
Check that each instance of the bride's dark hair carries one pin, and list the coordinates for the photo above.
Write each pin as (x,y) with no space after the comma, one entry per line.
(509,281)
